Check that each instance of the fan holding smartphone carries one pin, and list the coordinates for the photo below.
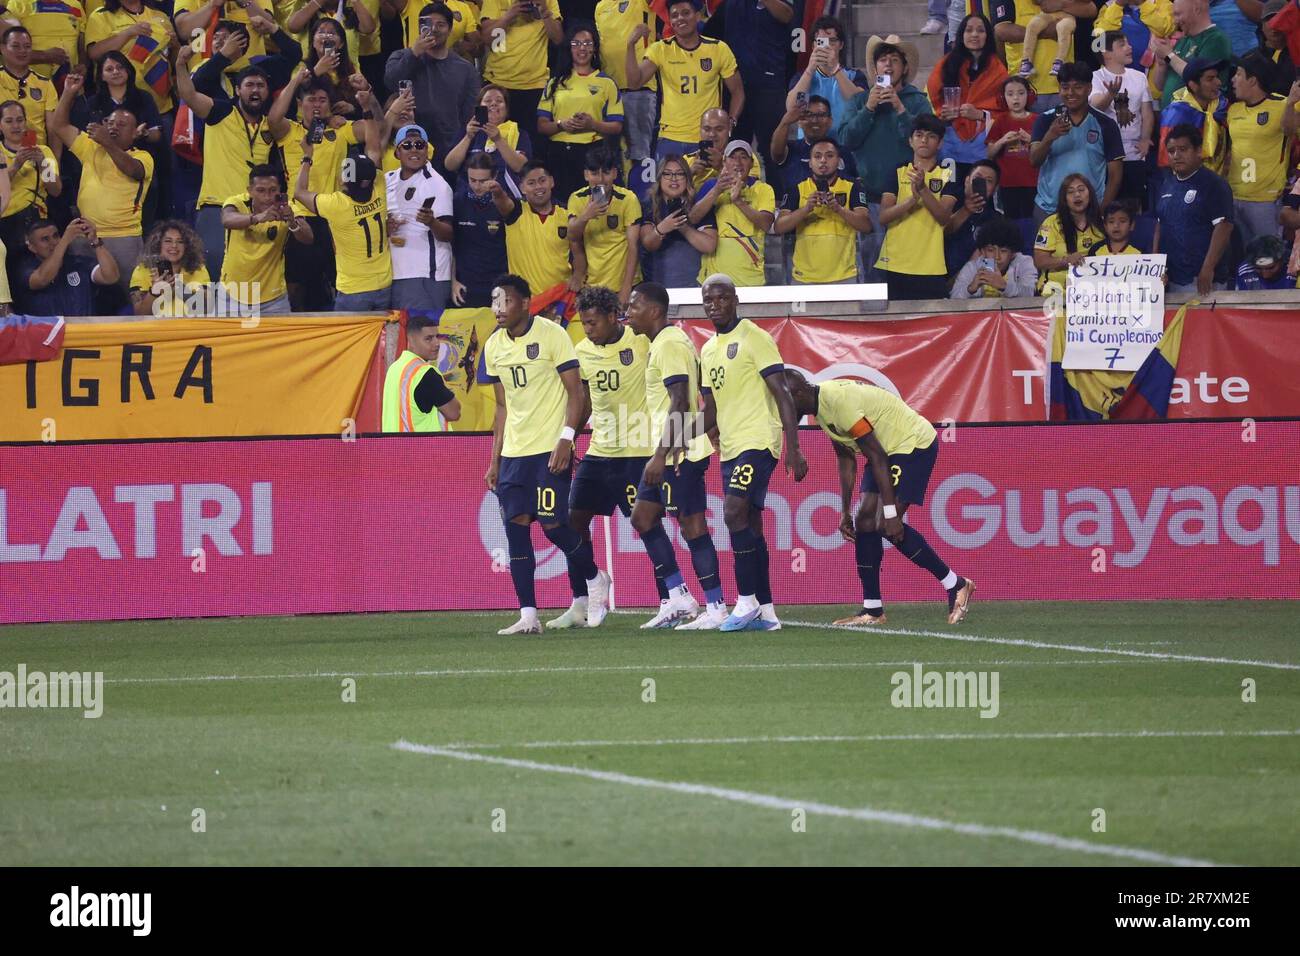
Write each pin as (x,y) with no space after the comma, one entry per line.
(33,176)
(419,225)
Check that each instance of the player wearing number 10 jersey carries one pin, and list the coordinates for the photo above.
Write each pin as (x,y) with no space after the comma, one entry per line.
(531,364)
(745,396)
(692,71)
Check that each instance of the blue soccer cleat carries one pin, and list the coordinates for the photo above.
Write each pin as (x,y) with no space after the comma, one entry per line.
(763,624)
(739,622)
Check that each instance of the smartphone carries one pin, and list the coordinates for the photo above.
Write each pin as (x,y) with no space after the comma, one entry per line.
(405,86)
(821,183)
(883,79)
(981,188)
(29,139)
(427,204)
(985,263)
(705,145)
(801,100)
(481,115)
(317,133)
(822,42)
(674,206)
(426,26)
(600,195)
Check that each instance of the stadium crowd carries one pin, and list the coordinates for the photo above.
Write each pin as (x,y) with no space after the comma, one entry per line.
(235,156)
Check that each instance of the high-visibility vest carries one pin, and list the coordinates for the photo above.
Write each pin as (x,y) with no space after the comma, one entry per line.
(401,414)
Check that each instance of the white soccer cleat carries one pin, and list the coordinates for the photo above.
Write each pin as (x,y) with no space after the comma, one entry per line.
(681,606)
(523,626)
(575,616)
(710,619)
(598,599)
(658,619)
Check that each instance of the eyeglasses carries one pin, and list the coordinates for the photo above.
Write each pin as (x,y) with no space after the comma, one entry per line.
(412,144)
(672,175)
(818,115)
(581,43)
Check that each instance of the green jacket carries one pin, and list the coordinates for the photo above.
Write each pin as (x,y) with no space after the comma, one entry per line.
(878,139)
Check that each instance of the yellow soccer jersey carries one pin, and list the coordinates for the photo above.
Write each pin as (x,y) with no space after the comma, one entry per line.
(848,410)
(108,197)
(172,301)
(595,94)
(37,96)
(520,61)
(326,174)
(616,377)
(537,247)
(231,147)
(1050,239)
(27,188)
(360,239)
(914,244)
(1044,52)
(1258,149)
(529,368)
(605,237)
(53,24)
(615,21)
(672,359)
(825,246)
(148,54)
(691,82)
(253,268)
(464,20)
(732,367)
(740,249)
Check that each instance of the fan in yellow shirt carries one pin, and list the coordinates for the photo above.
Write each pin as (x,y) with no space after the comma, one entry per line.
(692,70)
(826,216)
(258,223)
(537,234)
(464,36)
(744,208)
(144,35)
(33,171)
(57,28)
(24,85)
(1065,237)
(171,278)
(515,36)
(603,231)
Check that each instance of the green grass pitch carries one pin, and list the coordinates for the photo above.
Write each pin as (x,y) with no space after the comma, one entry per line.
(569,763)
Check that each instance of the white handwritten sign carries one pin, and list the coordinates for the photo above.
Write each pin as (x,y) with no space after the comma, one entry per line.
(1114,312)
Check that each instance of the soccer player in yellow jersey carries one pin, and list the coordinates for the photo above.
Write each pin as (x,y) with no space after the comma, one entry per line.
(531,364)
(673,480)
(613,362)
(901,448)
(745,398)
(603,231)
(692,71)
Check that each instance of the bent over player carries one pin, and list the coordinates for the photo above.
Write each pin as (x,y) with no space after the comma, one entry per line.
(901,448)
(532,366)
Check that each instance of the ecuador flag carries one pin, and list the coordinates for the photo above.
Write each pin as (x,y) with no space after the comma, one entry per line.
(1090,396)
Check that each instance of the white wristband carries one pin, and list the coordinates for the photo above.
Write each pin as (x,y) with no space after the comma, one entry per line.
(567,433)
(891,511)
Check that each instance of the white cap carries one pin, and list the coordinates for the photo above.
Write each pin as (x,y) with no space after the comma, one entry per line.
(736,144)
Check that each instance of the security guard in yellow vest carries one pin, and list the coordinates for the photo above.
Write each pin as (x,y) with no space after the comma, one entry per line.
(415,397)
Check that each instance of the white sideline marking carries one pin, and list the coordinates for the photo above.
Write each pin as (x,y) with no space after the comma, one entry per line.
(608,669)
(1043,645)
(876,738)
(865,814)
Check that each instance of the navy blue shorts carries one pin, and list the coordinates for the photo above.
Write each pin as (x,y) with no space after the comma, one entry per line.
(747,475)
(683,492)
(911,474)
(603,484)
(525,486)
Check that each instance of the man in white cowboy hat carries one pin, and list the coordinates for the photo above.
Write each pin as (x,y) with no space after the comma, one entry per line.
(876,126)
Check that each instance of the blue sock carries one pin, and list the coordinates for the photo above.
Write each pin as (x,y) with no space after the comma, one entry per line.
(662,556)
(744,547)
(704,558)
(523,563)
(917,550)
(764,592)
(577,552)
(869,549)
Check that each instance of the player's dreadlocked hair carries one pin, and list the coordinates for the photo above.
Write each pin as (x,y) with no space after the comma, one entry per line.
(597,298)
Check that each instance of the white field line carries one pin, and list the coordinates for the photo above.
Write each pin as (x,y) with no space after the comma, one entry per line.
(608,669)
(1044,645)
(864,814)
(877,738)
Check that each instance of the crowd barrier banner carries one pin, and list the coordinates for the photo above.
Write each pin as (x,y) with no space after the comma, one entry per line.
(1042,512)
(1237,363)
(964,367)
(194,378)
(462,333)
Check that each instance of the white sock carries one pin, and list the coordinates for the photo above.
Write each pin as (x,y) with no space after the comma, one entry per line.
(873,605)
(594,582)
(528,614)
(744,604)
(718,607)
(579,603)
(769,612)
(950,581)
(680,591)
